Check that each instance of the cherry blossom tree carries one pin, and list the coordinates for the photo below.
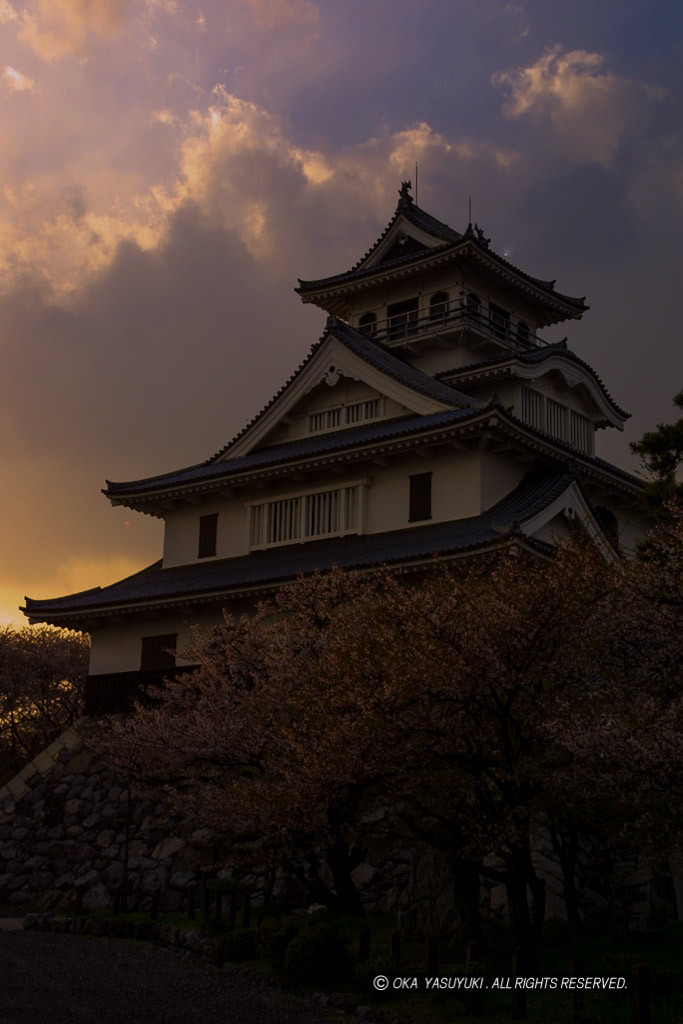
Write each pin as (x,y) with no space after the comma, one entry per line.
(42,681)
(501,653)
(629,732)
(273,736)
(469,705)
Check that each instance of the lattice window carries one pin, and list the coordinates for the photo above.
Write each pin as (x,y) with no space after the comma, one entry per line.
(299,517)
(326,420)
(579,431)
(360,412)
(532,408)
(344,415)
(556,419)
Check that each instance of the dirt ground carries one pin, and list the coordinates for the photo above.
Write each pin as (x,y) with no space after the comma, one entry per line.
(77,979)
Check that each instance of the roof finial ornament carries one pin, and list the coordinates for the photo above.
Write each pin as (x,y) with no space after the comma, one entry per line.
(481,238)
(405,198)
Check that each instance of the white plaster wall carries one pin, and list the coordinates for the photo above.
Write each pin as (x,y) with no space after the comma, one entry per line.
(181,536)
(455,489)
(456,494)
(499,476)
(116,646)
(555,531)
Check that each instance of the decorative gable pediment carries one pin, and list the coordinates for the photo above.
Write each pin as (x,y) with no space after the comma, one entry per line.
(569,509)
(343,355)
(559,378)
(405,245)
(402,239)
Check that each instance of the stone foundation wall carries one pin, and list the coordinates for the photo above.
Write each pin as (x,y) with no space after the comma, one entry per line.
(63,825)
(63,834)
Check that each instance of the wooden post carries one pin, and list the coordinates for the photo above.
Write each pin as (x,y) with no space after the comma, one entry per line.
(247,909)
(259,919)
(117,901)
(576,995)
(364,945)
(154,912)
(431,956)
(232,919)
(641,994)
(395,945)
(190,903)
(219,905)
(518,994)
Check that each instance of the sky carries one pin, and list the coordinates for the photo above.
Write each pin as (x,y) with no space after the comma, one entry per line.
(169,168)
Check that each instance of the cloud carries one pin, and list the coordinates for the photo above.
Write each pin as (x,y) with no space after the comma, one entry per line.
(7,13)
(591,110)
(17,82)
(237,165)
(57,28)
(276,15)
(48,230)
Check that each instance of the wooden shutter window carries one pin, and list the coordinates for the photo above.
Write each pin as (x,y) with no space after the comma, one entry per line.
(420,497)
(208,528)
(158,651)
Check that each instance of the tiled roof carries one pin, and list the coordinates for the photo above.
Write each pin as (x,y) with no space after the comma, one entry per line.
(371,352)
(533,358)
(319,444)
(374,353)
(450,239)
(202,580)
(392,364)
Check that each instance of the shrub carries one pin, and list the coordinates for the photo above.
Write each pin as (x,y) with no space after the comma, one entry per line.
(235,947)
(318,954)
(274,937)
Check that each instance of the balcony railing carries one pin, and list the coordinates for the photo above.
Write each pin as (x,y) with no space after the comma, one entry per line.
(109,693)
(406,327)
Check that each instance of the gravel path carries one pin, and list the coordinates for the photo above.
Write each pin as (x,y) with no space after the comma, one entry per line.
(76,979)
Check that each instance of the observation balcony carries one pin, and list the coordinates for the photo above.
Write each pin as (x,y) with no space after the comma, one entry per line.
(486,327)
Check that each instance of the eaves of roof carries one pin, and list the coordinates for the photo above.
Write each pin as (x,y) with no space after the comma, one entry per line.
(373,353)
(212,581)
(453,243)
(585,463)
(369,350)
(420,218)
(293,452)
(367,440)
(489,367)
